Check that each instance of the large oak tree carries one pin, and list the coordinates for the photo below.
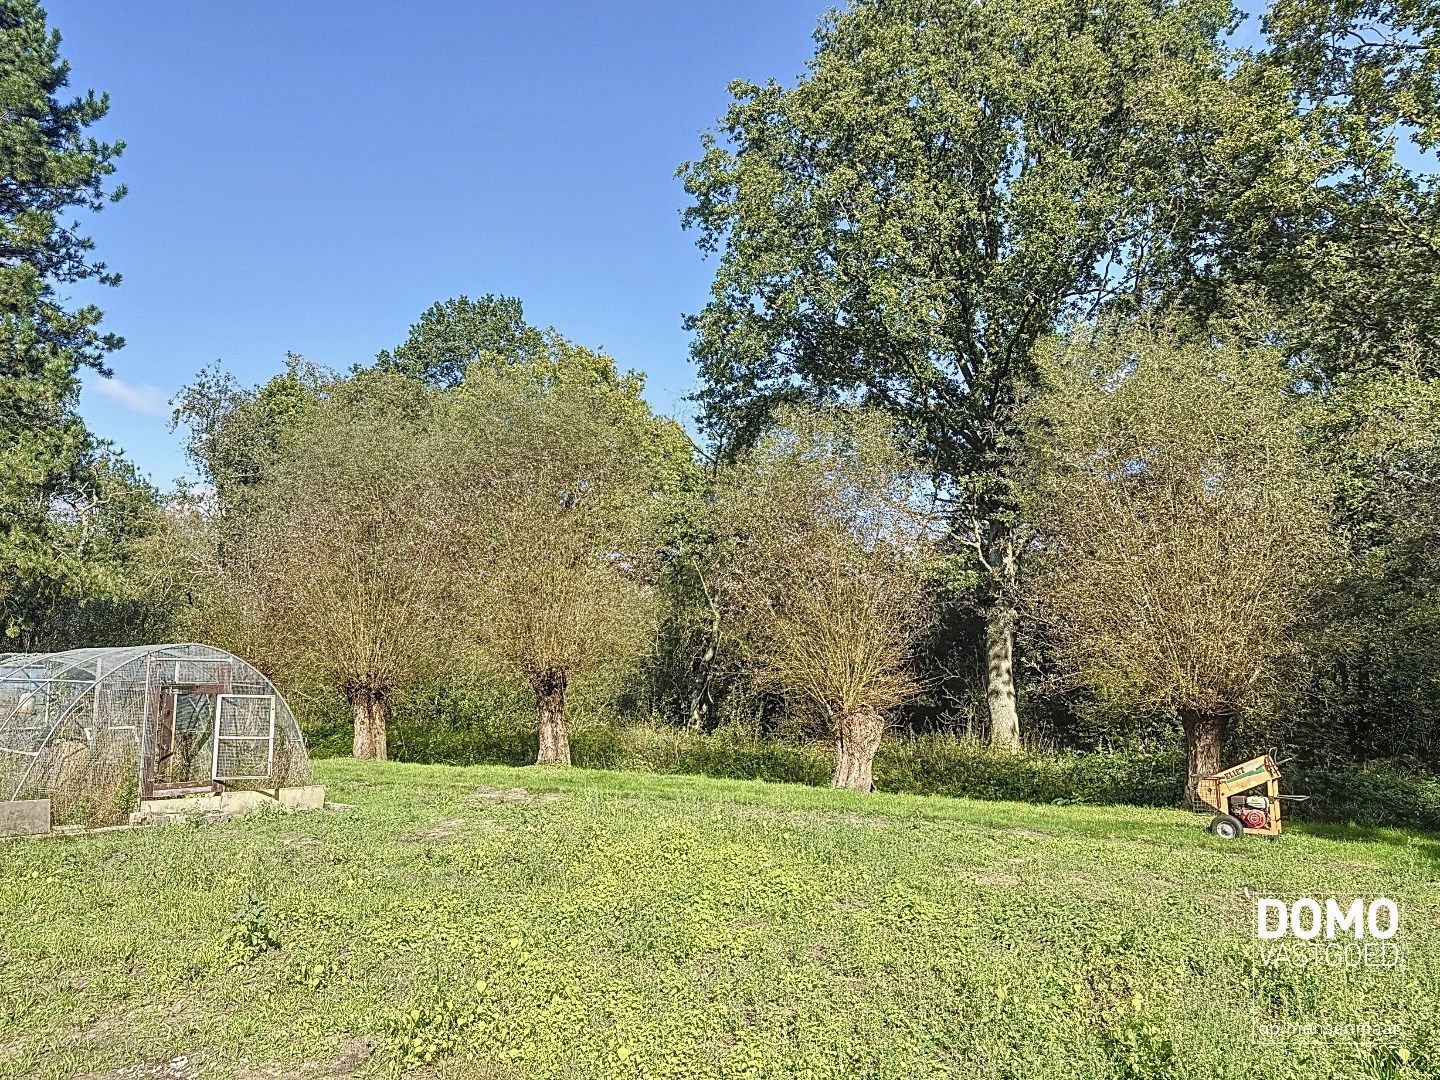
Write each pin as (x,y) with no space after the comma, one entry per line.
(945,185)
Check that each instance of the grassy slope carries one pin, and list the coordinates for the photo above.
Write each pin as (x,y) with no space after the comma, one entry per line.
(653,926)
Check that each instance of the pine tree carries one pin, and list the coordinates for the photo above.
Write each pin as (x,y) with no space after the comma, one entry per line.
(53,471)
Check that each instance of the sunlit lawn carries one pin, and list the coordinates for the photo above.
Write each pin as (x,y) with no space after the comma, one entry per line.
(606,924)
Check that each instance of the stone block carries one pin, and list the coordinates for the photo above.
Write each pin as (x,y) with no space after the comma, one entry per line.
(28,817)
(302,798)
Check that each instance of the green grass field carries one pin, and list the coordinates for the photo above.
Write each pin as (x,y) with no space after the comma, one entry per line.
(613,925)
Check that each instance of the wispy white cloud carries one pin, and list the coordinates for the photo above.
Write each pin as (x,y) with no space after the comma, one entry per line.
(140,398)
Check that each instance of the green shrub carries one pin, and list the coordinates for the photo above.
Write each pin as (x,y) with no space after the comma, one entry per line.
(727,753)
(248,935)
(966,767)
(1394,794)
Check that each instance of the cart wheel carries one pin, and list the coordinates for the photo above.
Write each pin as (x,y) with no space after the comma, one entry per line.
(1227,827)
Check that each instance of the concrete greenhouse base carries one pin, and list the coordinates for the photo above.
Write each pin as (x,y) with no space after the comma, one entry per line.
(31,817)
(226,805)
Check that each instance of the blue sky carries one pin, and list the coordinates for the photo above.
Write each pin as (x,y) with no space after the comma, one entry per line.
(308,176)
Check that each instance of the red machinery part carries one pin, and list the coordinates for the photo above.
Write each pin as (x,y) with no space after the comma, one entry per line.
(1251,818)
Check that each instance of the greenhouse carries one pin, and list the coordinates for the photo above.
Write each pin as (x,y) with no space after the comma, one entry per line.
(96,731)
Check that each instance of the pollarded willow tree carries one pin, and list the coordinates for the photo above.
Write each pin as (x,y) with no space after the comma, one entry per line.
(825,540)
(340,559)
(947,184)
(573,482)
(1182,525)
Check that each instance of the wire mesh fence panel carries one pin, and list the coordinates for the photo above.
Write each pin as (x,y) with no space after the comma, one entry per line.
(244,736)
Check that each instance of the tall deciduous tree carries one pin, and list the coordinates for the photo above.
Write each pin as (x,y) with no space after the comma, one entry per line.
(454,334)
(54,476)
(945,185)
(1375,670)
(462,338)
(237,435)
(825,542)
(1182,526)
(1349,246)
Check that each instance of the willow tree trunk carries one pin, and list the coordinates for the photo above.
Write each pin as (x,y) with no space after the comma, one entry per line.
(857,737)
(550,703)
(1204,743)
(369,709)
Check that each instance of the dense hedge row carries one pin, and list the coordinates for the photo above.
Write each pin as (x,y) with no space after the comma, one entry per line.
(494,727)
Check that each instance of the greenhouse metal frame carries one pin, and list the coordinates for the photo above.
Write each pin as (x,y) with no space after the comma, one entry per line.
(97,730)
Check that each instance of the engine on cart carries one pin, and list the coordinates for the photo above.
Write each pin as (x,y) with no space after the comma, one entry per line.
(1252,810)
(1244,798)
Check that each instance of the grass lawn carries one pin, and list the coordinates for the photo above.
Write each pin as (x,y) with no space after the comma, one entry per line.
(614,925)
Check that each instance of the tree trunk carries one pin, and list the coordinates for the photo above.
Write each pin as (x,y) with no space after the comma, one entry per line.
(379,736)
(1000,674)
(857,737)
(1204,743)
(369,709)
(703,697)
(360,745)
(702,700)
(550,701)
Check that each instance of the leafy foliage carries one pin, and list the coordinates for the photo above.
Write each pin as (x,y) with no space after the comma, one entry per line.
(249,934)
(942,188)
(454,335)
(65,499)
(1181,525)
(1375,670)
(236,435)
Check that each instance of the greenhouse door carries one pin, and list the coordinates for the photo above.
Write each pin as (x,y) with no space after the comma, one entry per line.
(244,743)
(177,751)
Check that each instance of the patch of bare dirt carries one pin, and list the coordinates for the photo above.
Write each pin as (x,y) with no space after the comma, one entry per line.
(441,830)
(355,1054)
(180,1067)
(489,794)
(870,821)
